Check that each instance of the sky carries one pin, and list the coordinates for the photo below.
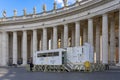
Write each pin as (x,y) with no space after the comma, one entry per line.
(19,5)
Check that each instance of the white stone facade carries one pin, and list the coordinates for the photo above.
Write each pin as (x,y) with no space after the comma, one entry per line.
(21,36)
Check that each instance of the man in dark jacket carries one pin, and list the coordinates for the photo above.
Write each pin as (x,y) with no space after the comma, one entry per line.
(31,66)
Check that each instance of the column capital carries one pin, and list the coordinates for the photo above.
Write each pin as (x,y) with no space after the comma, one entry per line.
(24,30)
(54,26)
(77,22)
(105,14)
(90,19)
(14,31)
(4,31)
(65,24)
(34,29)
(44,28)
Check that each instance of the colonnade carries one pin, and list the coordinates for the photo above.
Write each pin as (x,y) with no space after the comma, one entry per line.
(99,31)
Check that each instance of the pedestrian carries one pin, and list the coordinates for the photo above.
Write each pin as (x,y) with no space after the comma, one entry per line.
(31,66)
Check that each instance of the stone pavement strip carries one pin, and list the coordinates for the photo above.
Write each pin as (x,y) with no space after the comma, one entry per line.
(22,74)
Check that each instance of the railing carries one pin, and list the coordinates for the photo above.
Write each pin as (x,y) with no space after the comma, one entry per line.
(71,66)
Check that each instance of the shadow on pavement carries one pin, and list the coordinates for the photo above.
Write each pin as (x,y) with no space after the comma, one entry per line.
(11,73)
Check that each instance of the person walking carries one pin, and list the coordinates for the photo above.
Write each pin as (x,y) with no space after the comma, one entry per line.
(31,66)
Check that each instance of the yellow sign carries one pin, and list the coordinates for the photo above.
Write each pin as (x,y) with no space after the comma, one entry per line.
(87,64)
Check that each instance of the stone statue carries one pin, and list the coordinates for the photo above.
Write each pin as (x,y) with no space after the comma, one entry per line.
(34,10)
(55,5)
(44,8)
(65,3)
(24,11)
(15,12)
(77,1)
(4,13)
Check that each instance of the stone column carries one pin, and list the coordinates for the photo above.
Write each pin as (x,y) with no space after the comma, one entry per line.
(15,49)
(119,36)
(77,33)
(31,46)
(105,38)
(97,41)
(65,35)
(44,39)
(34,41)
(84,34)
(73,37)
(112,40)
(90,31)
(39,45)
(51,38)
(62,39)
(24,47)
(18,47)
(0,48)
(4,49)
(41,39)
(55,37)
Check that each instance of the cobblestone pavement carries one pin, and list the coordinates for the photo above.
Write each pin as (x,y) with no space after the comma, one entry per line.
(22,74)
